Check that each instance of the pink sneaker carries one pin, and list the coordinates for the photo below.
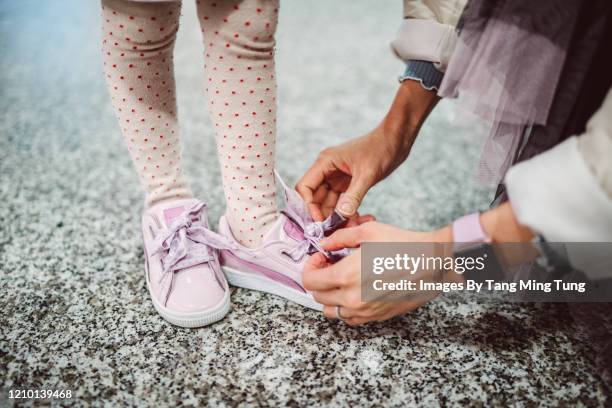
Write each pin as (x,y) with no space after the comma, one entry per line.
(276,265)
(183,275)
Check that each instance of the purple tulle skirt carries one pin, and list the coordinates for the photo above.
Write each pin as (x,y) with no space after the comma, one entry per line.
(521,65)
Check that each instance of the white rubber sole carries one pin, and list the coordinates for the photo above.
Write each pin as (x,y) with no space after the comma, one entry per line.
(261,283)
(191,319)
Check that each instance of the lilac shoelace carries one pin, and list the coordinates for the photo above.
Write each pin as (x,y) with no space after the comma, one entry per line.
(185,243)
(314,231)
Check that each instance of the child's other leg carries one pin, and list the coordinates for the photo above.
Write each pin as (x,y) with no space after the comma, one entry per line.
(137,44)
(241,86)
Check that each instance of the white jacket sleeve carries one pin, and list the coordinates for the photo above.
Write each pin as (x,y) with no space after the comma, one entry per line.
(565,194)
(428,31)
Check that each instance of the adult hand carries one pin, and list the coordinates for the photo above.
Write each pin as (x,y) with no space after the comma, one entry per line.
(339,284)
(343,174)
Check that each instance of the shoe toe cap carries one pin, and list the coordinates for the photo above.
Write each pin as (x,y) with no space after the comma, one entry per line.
(195,290)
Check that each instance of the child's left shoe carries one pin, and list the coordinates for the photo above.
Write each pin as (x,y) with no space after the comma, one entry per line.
(182,268)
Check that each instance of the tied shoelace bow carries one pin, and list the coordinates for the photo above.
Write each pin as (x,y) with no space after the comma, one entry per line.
(185,243)
(314,231)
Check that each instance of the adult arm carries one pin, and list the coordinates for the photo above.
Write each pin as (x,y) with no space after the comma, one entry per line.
(343,174)
(565,194)
(339,284)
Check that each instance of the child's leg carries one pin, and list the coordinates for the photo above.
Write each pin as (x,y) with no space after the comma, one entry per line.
(137,43)
(239,50)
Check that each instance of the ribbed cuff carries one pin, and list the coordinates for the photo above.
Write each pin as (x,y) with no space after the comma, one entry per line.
(423,71)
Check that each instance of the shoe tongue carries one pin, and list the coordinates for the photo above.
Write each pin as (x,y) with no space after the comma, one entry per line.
(282,229)
(292,230)
(172,212)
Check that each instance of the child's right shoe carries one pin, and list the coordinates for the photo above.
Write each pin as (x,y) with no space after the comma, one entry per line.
(276,265)
(182,268)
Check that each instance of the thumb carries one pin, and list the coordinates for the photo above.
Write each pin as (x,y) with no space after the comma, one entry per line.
(350,200)
(343,238)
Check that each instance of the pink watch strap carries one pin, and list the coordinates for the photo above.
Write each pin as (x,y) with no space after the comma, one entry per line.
(469,229)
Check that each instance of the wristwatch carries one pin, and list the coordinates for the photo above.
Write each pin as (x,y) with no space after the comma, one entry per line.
(471,241)
(468,230)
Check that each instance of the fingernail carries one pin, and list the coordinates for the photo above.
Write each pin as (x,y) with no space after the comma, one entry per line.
(347,208)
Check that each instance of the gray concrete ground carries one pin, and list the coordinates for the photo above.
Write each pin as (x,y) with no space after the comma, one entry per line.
(75,311)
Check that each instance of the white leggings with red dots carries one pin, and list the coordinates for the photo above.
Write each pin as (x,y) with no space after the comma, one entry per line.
(138,41)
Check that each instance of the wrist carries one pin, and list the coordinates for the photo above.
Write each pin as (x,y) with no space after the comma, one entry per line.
(444,234)
(501,225)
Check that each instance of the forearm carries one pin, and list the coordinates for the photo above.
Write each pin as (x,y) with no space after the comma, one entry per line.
(410,108)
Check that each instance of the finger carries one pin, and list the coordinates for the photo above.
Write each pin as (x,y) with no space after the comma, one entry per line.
(350,200)
(345,314)
(316,212)
(329,297)
(319,276)
(329,312)
(320,193)
(329,203)
(309,197)
(320,201)
(314,208)
(359,219)
(343,238)
(316,261)
(358,321)
(305,191)
(312,179)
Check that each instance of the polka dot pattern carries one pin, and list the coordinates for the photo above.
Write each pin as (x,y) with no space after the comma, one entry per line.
(241,87)
(137,44)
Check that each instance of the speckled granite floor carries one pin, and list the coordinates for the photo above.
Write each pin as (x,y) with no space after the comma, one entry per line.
(75,311)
